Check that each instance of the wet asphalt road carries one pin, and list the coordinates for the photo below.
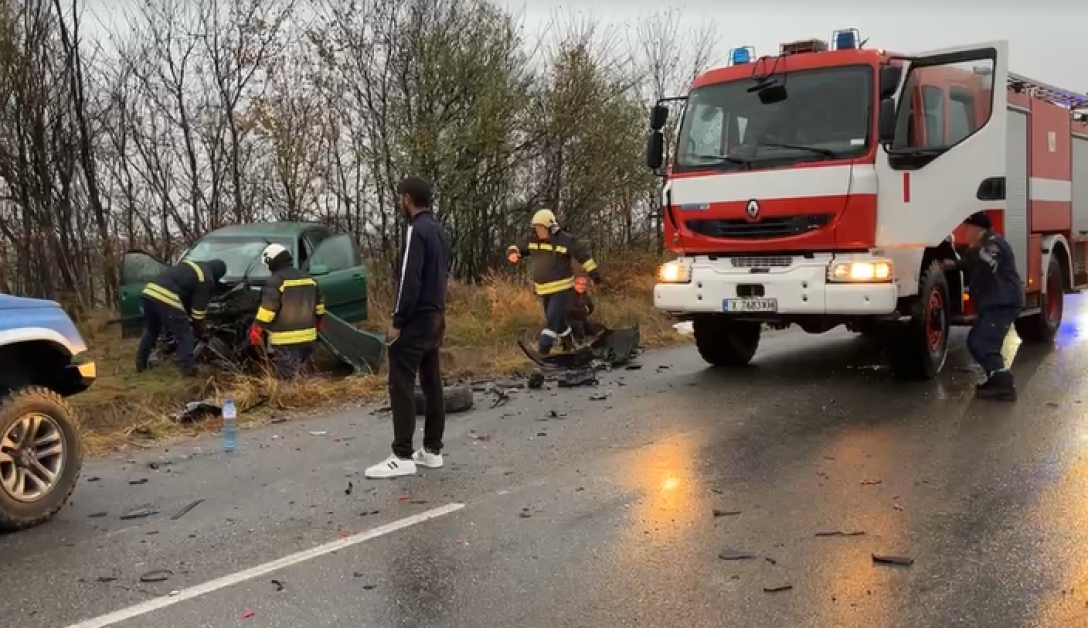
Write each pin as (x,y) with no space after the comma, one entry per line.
(568,511)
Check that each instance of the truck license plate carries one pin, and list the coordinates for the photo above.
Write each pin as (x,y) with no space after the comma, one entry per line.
(749,305)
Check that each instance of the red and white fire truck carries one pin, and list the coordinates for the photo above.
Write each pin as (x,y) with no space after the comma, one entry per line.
(818,187)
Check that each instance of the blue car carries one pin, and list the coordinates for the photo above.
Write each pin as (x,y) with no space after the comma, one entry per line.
(43,359)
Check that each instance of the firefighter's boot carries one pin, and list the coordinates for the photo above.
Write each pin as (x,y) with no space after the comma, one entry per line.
(568,343)
(999,386)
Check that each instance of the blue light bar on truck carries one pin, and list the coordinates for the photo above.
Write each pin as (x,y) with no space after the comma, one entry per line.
(847,39)
(742,55)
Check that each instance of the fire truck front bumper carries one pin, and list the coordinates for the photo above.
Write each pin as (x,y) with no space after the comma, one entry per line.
(766,286)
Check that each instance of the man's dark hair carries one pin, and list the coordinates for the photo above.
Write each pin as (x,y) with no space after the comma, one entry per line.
(418,190)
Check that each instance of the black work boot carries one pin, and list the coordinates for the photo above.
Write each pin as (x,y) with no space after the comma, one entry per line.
(998,387)
(568,343)
(544,350)
(141,365)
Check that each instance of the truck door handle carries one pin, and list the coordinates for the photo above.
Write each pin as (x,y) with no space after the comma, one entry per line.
(356,276)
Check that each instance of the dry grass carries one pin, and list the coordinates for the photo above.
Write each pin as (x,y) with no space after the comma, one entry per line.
(483,323)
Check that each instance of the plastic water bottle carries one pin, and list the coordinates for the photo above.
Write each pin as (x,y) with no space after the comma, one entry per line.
(230,426)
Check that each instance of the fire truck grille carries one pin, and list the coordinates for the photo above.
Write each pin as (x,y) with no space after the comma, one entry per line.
(783,261)
(773,227)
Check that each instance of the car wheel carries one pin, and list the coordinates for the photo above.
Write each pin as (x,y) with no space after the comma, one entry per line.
(40,457)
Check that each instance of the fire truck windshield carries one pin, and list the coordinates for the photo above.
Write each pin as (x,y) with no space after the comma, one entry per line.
(827,115)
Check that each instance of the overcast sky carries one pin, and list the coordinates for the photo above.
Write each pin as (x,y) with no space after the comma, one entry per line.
(1046,38)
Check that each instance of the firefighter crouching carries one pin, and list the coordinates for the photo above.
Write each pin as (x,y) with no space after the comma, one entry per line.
(580,310)
(290,313)
(553,279)
(177,302)
(999,297)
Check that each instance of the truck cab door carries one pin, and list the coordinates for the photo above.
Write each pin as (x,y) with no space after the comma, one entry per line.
(340,274)
(928,183)
(137,269)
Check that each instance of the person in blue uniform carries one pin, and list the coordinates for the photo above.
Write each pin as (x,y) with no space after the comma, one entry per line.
(998,294)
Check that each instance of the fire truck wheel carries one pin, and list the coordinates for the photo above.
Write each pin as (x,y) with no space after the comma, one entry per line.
(1042,327)
(920,351)
(723,341)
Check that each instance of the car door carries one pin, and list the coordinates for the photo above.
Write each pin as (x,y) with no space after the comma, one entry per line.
(137,269)
(336,266)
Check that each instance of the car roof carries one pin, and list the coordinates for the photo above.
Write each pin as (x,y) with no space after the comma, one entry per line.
(265,229)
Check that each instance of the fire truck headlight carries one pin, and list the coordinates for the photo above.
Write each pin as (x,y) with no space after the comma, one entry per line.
(877,271)
(674,272)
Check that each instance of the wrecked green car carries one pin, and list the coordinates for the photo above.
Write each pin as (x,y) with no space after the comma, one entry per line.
(332,259)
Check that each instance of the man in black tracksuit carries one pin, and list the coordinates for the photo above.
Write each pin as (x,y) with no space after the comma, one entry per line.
(998,294)
(419,324)
(581,308)
(177,302)
(553,277)
(291,310)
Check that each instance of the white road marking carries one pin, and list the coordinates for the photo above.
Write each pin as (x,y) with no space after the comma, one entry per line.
(211,586)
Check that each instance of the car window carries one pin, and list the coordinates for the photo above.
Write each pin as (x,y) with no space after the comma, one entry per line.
(138,267)
(337,253)
(241,254)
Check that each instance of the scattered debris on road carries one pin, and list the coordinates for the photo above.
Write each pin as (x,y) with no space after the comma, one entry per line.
(158,575)
(349,489)
(841,533)
(184,511)
(889,559)
(870,482)
(139,513)
(725,513)
(278,584)
(776,588)
(138,481)
(97,515)
(247,614)
(601,396)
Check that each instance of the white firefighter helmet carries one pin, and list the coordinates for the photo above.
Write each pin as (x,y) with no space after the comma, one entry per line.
(545,218)
(271,252)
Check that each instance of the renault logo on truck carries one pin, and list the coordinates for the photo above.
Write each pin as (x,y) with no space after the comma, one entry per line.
(752,209)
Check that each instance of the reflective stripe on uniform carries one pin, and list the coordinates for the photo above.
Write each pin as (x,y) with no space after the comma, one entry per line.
(298,336)
(162,295)
(554,286)
(547,246)
(549,333)
(296,283)
(320,309)
(196,268)
(265,315)
(589,265)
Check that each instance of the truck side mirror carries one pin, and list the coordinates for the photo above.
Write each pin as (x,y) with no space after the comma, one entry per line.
(887,121)
(889,80)
(655,150)
(659,114)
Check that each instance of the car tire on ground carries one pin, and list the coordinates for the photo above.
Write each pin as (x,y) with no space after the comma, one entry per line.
(1042,327)
(458,398)
(26,504)
(920,350)
(726,342)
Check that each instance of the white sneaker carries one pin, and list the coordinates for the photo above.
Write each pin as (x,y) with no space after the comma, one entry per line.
(391,467)
(424,458)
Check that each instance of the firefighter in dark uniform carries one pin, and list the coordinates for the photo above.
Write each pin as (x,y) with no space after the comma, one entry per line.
(999,298)
(290,313)
(177,302)
(553,278)
(580,310)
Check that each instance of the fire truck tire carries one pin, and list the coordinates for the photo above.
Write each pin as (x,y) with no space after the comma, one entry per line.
(725,342)
(1042,327)
(919,352)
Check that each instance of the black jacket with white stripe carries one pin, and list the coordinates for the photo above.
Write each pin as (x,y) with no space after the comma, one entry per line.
(424,271)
